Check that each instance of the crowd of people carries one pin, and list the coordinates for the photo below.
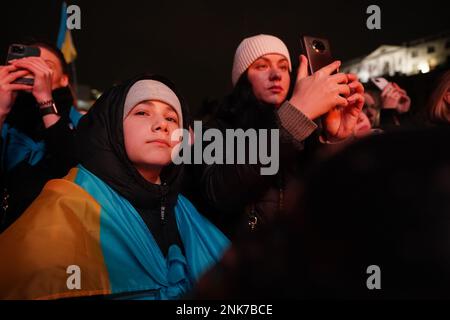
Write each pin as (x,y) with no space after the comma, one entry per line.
(356,186)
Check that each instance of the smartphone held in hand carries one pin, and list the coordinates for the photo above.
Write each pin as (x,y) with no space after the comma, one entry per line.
(19,51)
(380,82)
(318,52)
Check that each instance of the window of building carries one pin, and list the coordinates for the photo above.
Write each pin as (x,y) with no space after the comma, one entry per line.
(430,49)
(414,54)
(386,68)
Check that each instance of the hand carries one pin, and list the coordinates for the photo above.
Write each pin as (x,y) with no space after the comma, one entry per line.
(8,90)
(43,76)
(317,94)
(394,97)
(340,122)
(405,101)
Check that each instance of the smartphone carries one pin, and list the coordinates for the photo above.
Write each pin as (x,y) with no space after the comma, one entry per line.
(18,51)
(380,82)
(318,52)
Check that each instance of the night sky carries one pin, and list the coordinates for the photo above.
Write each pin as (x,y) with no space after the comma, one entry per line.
(193,42)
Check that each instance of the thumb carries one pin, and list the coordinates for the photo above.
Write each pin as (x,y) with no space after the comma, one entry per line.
(302,68)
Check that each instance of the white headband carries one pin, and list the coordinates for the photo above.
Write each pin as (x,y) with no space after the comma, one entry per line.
(144,90)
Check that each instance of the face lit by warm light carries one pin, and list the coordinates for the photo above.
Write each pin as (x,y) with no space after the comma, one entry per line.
(270,79)
(147,133)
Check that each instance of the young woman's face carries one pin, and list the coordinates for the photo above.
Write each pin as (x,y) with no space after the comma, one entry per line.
(147,131)
(269,77)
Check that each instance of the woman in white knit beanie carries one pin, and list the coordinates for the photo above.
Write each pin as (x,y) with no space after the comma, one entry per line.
(265,61)
(238,195)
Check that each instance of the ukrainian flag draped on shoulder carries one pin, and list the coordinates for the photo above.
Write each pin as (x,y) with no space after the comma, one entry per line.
(80,221)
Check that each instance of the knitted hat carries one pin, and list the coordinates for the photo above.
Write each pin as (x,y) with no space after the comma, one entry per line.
(144,90)
(253,48)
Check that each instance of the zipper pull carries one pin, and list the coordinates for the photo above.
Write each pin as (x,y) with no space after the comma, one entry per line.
(5,200)
(163,206)
(163,214)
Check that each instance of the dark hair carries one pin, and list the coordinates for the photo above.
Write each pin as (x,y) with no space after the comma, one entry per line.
(242,94)
(374,92)
(242,109)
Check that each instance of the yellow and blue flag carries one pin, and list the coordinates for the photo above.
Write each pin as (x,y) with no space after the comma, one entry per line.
(65,42)
(80,221)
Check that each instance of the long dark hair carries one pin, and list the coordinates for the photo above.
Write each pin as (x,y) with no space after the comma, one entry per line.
(242,109)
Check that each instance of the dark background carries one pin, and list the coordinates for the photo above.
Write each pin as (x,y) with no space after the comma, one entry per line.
(193,42)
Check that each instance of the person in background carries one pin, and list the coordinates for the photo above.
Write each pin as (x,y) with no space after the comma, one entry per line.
(37,125)
(438,108)
(384,107)
(236,196)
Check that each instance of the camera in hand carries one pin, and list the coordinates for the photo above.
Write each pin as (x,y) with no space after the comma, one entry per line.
(318,52)
(19,51)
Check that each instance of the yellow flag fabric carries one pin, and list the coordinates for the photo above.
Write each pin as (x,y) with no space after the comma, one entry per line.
(61,228)
(68,48)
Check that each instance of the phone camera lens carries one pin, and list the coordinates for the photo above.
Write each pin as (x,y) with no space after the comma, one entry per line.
(18,49)
(318,46)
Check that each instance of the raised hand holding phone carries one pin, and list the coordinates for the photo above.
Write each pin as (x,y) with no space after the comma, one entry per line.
(339,123)
(8,88)
(393,97)
(346,91)
(19,51)
(39,80)
(318,53)
(317,94)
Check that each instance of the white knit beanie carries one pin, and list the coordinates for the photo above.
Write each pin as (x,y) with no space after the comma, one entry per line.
(252,48)
(144,90)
